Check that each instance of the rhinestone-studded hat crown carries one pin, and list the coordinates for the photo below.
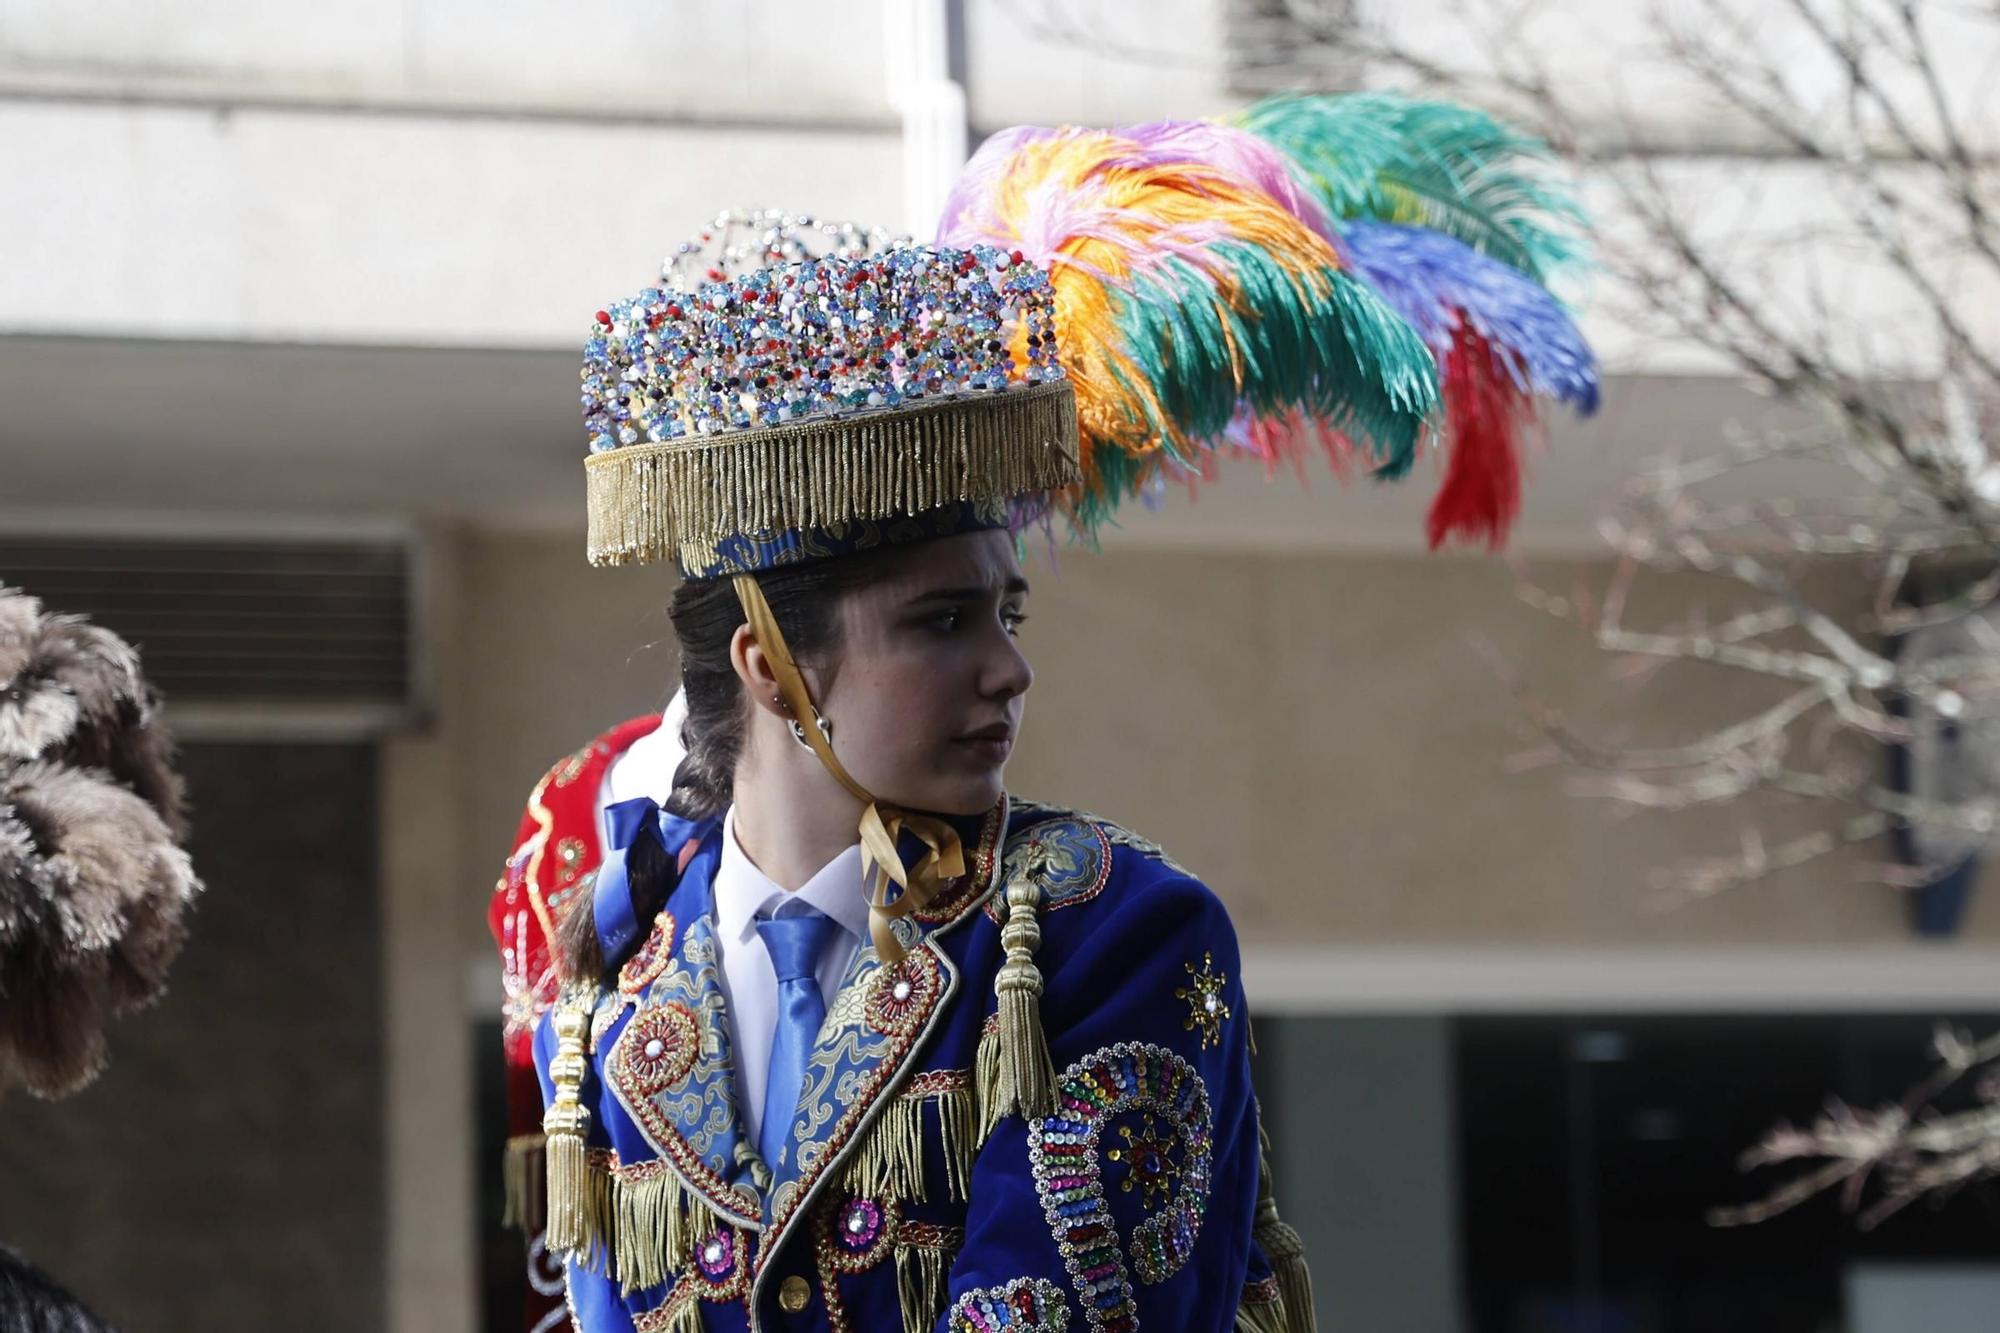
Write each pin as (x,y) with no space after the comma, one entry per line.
(793,390)
(818,338)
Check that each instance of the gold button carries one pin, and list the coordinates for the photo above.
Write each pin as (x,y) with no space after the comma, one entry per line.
(793,1293)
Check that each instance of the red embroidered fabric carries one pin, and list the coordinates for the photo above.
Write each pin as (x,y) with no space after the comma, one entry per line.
(556,850)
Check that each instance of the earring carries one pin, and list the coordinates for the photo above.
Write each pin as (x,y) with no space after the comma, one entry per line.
(799,732)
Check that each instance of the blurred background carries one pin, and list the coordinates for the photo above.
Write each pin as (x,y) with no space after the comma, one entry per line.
(290,305)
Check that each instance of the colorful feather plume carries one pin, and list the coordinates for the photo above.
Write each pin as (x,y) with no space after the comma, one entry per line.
(1501,339)
(1195,283)
(1438,165)
(1452,218)
(1322,272)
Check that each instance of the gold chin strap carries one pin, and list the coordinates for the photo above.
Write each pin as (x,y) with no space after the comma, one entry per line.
(881,824)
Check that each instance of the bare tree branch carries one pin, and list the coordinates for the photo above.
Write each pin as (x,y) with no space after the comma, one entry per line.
(1856,615)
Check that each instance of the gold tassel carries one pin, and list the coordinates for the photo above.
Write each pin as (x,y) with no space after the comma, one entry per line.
(920,1285)
(1284,1249)
(1013,1070)
(522,1175)
(681,497)
(564,1124)
(1261,1318)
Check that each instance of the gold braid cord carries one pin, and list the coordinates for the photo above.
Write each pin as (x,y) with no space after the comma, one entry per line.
(881,824)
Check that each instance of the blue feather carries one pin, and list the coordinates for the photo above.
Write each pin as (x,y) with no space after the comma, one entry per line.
(1433,280)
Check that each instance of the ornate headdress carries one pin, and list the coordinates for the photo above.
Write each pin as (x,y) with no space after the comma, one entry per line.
(823,405)
(1103,311)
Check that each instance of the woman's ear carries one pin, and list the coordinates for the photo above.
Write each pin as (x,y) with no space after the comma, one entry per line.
(753,668)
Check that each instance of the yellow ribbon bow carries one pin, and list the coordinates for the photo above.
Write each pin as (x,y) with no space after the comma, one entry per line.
(881,824)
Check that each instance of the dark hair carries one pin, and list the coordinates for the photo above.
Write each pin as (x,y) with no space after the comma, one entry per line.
(804,600)
(33,1302)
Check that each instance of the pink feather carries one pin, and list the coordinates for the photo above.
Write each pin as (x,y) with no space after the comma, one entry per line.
(1238,152)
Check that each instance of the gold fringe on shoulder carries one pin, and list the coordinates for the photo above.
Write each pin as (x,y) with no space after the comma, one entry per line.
(522,1174)
(600,1221)
(658,1224)
(639,1224)
(891,1159)
(681,497)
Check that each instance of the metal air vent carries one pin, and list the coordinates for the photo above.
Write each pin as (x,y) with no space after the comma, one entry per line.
(246,638)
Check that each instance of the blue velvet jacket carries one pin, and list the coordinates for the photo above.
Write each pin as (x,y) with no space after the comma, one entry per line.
(901,1203)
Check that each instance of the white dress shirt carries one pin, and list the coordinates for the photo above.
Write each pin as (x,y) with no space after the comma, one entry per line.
(749,983)
(744,893)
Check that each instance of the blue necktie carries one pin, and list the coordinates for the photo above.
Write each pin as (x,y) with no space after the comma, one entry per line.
(794,943)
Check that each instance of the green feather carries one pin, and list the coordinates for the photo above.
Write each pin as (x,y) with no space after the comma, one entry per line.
(1119,477)
(1451,168)
(1338,352)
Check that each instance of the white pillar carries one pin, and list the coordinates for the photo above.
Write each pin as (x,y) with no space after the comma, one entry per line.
(932,105)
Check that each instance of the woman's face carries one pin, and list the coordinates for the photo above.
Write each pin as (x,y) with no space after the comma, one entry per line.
(926,700)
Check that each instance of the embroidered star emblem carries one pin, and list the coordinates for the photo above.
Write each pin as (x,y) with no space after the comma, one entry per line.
(1148,1168)
(1206,1007)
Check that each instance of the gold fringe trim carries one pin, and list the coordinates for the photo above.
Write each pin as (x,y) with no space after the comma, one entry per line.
(681,1314)
(921,1287)
(658,1224)
(600,1210)
(958,1127)
(1287,1253)
(522,1175)
(891,1159)
(1012,1069)
(564,1124)
(681,497)
(639,1224)
(986,1078)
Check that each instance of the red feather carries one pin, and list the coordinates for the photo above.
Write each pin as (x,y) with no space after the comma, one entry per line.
(1484,410)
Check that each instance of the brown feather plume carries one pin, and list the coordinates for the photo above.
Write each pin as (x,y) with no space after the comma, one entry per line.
(94,885)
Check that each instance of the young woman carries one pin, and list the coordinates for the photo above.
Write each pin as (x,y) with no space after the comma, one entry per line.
(846,1037)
